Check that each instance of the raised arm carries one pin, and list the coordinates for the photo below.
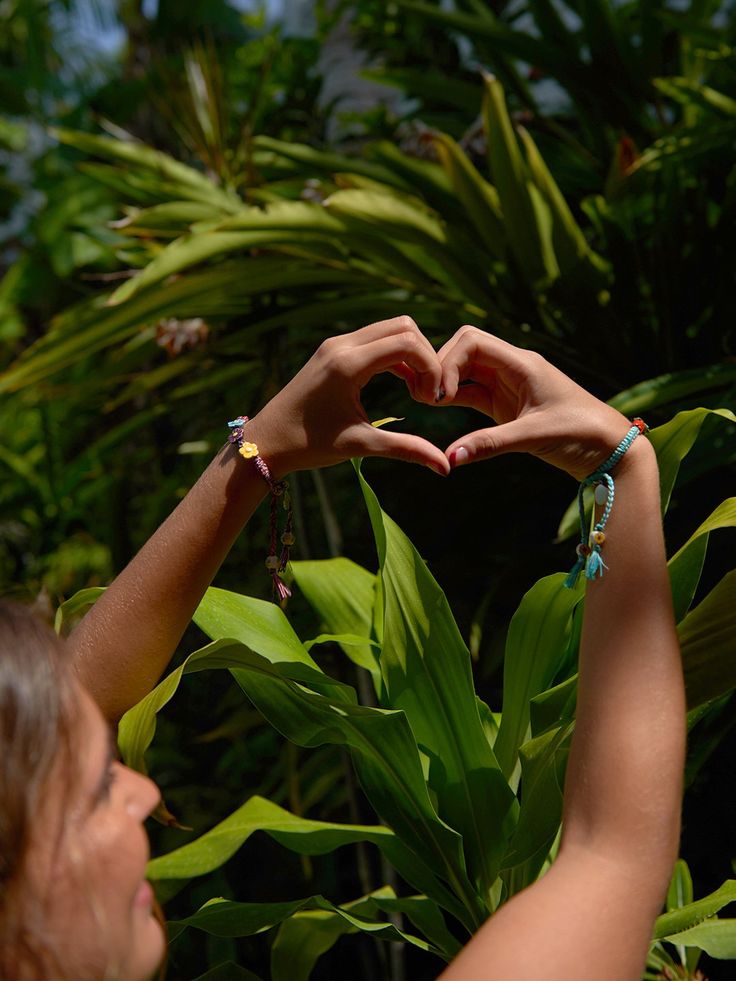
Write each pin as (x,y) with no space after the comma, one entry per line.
(125,642)
(591,915)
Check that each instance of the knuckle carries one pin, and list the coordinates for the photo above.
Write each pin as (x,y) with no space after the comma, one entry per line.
(406,323)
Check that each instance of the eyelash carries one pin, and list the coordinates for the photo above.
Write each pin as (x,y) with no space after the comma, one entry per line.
(107,783)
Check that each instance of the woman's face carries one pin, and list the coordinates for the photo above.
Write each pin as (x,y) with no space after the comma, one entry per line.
(99,905)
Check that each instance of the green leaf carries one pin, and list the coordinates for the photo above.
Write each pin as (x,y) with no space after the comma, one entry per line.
(228,971)
(690,93)
(260,625)
(686,564)
(674,440)
(479,198)
(387,762)
(680,892)
(716,937)
(304,937)
(301,835)
(139,157)
(706,639)
(672,387)
(223,918)
(527,218)
(80,602)
(535,646)
(341,594)
(570,245)
(543,764)
(427,674)
(689,915)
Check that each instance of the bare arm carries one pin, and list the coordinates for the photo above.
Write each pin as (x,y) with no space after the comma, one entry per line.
(591,915)
(125,642)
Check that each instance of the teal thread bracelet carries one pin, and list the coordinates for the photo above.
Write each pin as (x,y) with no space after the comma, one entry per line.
(589,548)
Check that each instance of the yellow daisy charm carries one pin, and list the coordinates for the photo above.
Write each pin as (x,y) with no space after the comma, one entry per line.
(248,450)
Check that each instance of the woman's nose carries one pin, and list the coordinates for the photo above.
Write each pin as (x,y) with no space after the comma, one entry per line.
(143,796)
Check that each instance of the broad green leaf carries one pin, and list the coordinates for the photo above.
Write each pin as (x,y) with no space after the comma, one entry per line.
(223,918)
(526,216)
(553,706)
(674,440)
(304,937)
(716,937)
(307,837)
(686,564)
(543,764)
(479,198)
(341,594)
(138,725)
(387,762)
(260,625)
(427,674)
(535,646)
(707,642)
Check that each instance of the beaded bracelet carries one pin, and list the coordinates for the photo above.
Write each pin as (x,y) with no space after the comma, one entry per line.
(589,547)
(277,561)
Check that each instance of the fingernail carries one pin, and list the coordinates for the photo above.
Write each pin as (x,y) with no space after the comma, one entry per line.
(439,394)
(459,456)
(436,469)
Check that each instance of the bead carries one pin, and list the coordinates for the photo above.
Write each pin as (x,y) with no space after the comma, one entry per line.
(272,563)
(583,550)
(287,538)
(601,494)
(248,450)
(597,537)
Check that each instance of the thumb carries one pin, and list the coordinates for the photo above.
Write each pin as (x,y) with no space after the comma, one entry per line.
(402,446)
(517,436)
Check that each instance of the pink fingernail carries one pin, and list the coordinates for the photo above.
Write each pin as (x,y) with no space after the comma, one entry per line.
(459,456)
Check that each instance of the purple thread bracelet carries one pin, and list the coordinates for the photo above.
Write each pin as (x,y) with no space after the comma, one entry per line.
(277,560)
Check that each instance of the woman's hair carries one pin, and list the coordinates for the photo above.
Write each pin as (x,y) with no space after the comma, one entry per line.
(37,704)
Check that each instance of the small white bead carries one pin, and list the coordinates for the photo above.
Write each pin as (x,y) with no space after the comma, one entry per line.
(601,494)
(272,563)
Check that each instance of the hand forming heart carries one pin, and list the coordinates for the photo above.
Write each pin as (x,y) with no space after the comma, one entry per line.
(318,418)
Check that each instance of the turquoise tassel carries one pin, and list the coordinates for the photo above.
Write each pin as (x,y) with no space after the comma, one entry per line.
(595,564)
(571,578)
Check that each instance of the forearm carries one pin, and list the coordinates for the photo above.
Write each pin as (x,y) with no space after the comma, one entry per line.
(123,645)
(624,778)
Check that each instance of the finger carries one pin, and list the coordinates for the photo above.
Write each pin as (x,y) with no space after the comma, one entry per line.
(414,350)
(473,396)
(404,446)
(402,370)
(472,349)
(384,328)
(517,436)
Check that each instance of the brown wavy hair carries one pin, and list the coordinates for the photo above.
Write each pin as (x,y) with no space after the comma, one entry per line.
(37,702)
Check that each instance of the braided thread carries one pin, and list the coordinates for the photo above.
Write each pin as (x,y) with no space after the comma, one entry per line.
(277,560)
(589,548)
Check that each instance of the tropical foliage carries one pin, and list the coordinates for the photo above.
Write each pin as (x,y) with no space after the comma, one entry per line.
(470,801)
(561,174)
